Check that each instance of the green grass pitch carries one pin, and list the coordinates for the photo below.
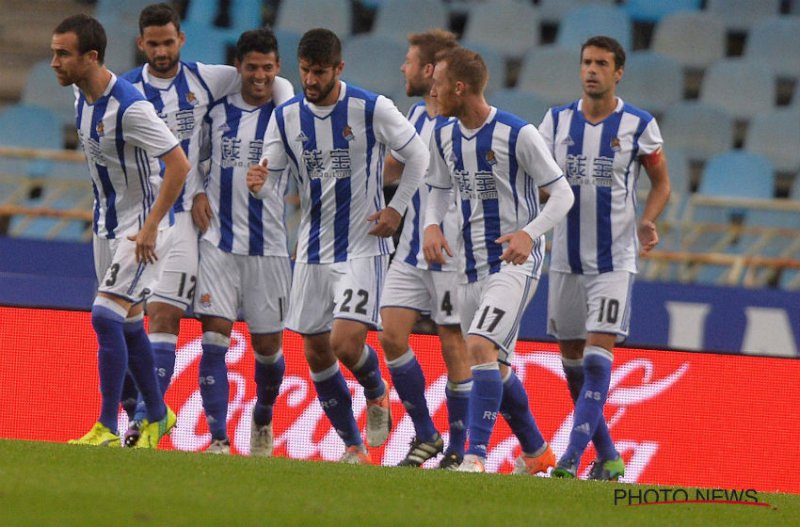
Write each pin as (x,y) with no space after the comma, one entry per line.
(54,484)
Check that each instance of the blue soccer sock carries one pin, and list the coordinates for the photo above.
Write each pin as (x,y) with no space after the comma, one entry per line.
(409,382)
(130,396)
(163,345)
(457,394)
(484,403)
(367,372)
(517,412)
(336,401)
(269,375)
(573,369)
(589,406)
(108,319)
(214,388)
(142,367)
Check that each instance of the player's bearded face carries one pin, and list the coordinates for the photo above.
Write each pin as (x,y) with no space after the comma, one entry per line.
(413,71)
(161,46)
(68,63)
(319,81)
(443,90)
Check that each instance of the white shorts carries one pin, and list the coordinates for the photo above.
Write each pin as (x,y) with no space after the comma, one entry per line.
(433,293)
(578,304)
(347,290)
(179,279)
(117,271)
(259,285)
(493,307)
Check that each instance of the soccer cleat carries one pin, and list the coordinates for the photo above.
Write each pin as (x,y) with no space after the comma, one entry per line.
(356,455)
(99,435)
(261,440)
(566,468)
(219,446)
(422,451)
(472,463)
(133,433)
(526,464)
(607,470)
(379,419)
(151,434)
(451,461)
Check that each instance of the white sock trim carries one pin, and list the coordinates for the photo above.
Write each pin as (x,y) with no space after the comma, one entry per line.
(216,339)
(268,360)
(572,363)
(109,304)
(363,359)
(164,338)
(597,350)
(486,366)
(460,387)
(325,374)
(402,360)
(135,318)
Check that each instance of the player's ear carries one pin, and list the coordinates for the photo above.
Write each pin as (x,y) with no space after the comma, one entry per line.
(140,43)
(427,70)
(181,39)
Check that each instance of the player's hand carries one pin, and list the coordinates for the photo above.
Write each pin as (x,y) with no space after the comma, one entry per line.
(201,212)
(648,237)
(519,247)
(433,241)
(146,244)
(257,176)
(387,221)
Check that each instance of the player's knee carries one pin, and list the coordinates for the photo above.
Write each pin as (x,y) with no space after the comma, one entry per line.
(266,345)
(393,344)
(164,318)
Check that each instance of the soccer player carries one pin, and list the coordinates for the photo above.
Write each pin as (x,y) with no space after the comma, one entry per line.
(123,140)
(244,260)
(413,286)
(601,143)
(181,93)
(333,138)
(496,163)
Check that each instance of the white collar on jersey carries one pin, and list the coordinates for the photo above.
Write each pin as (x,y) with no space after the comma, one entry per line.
(468,133)
(620,104)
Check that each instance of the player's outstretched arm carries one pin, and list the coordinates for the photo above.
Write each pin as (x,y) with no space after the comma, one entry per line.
(176,167)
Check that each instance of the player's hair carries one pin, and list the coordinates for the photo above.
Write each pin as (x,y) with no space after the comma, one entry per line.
(158,15)
(431,42)
(260,40)
(320,46)
(466,66)
(608,44)
(90,33)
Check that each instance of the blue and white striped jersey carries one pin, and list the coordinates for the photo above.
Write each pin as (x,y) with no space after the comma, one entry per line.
(409,247)
(336,156)
(122,137)
(182,103)
(601,162)
(496,172)
(241,224)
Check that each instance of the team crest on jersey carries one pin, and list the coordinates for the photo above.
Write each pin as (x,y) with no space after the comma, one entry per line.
(301,137)
(100,129)
(191,98)
(347,133)
(491,158)
(205,300)
(615,146)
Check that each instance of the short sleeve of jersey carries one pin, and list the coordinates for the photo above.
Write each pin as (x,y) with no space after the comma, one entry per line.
(282,91)
(143,128)
(391,127)
(221,80)
(546,130)
(438,174)
(535,158)
(650,140)
(274,149)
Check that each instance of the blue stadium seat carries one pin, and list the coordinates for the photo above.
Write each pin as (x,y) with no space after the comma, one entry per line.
(743,89)
(776,136)
(655,10)
(381,76)
(206,43)
(287,48)
(738,174)
(121,49)
(591,20)
(742,15)
(521,103)
(553,73)
(694,39)
(774,42)
(495,64)
(554,11)
(508,27)
(395,19)
(29,126)
(698,129)
(202,12)
(301,15)
(651,81)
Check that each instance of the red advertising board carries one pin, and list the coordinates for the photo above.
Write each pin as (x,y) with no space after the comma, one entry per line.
(687,419)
